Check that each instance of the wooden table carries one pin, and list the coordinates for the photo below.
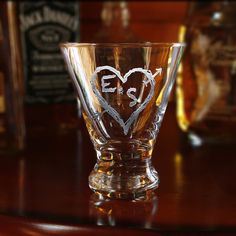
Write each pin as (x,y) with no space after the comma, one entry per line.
(44,191)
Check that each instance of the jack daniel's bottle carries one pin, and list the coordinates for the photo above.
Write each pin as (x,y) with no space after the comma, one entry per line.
(49,97)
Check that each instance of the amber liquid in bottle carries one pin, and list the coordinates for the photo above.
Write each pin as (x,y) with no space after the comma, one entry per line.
(206,85)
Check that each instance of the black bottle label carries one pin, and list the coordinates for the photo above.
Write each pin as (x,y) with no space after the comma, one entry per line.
(43,26)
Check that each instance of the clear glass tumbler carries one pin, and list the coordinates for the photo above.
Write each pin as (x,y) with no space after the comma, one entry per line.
(124,89)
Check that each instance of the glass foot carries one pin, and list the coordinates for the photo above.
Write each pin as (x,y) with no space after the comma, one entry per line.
(132,179)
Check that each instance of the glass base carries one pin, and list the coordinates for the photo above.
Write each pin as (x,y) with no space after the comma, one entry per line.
(124,179)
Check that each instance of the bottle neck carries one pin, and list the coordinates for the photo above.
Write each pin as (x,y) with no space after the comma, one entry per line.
(115,14)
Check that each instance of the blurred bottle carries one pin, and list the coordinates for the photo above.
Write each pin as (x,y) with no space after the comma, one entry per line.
(115,24)
(206,85)
(12,126)
(50,101)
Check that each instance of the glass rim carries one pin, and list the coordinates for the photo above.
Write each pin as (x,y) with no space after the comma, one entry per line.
(129,45)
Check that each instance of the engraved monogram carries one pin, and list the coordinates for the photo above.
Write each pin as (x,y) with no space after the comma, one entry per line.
(106,88)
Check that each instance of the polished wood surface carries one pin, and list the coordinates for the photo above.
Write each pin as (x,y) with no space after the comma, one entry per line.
(44,191)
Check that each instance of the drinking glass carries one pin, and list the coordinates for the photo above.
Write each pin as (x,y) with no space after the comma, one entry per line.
(124,89)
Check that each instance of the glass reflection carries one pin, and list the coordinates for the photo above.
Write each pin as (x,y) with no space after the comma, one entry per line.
(54,228)
(179,178)
(121,212)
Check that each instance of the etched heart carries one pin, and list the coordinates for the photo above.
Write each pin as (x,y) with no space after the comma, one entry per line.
(108,108)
